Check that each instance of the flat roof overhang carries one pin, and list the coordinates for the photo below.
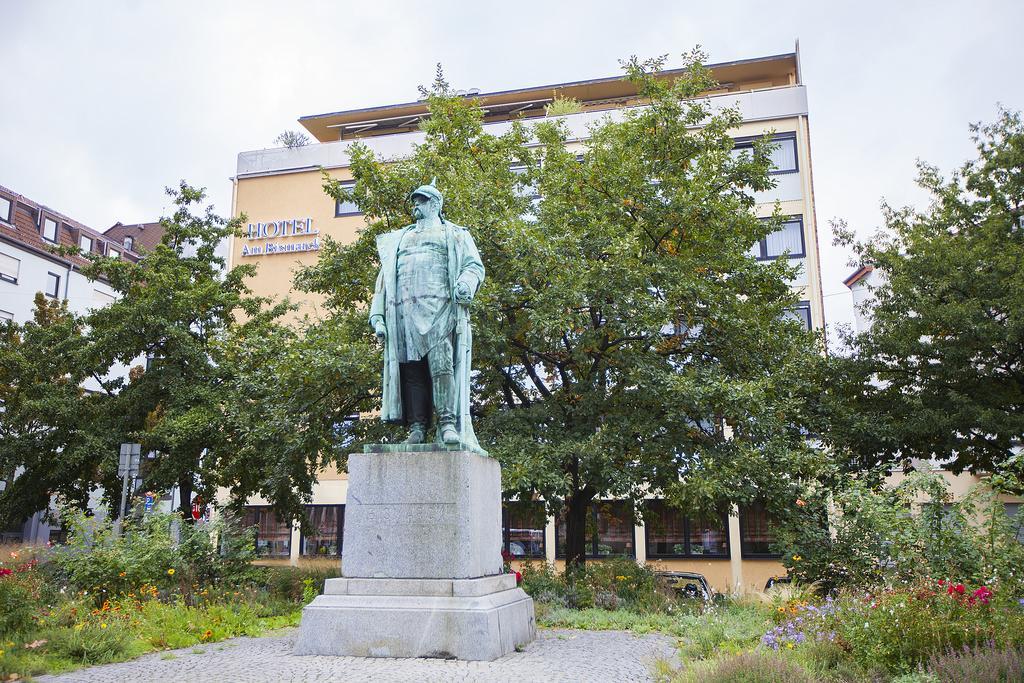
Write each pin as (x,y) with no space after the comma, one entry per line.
(331,127)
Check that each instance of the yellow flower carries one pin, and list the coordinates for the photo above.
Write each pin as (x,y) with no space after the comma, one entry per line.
(782,609)
(789,645)
(797,558)
(620,578)
(103,625)
(170,572)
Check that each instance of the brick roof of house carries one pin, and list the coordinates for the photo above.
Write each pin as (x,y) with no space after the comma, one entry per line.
(145,236)
(25,228)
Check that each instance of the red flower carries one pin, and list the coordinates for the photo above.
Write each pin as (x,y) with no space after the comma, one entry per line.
(942,582)
(959,588)
(519,577)
(4,571)
(982,595)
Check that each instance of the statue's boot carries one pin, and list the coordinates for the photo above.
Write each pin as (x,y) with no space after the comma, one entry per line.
(417,432)
(444,404)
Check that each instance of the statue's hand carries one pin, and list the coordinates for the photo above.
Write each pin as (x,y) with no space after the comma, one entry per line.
(463,295)
(380,330)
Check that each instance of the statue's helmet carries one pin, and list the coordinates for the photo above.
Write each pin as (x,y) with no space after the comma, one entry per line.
(430,192)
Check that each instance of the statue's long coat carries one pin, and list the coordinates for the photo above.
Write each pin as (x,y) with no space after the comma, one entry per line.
(464,265)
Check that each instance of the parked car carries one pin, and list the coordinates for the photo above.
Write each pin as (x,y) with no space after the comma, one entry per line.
(687,584)
(776,580)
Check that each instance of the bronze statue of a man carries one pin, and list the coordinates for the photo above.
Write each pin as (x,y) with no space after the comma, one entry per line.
(429,273)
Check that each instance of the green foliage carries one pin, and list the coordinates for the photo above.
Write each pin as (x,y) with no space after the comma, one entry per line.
(49,427)
(938,375)
(729,628)
(17,606)
(881,536)
(560,106)
(901,629)
(611,584)
(104,565)
(93,643)
(579,391)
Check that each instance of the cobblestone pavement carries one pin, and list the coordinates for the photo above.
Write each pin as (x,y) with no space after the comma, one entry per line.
(556,655)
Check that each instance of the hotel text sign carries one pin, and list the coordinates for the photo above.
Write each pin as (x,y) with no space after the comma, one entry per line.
(284,233)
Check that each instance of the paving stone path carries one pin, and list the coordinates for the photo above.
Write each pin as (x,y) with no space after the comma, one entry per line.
(556,655)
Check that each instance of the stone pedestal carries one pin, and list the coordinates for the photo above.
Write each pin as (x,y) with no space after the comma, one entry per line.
(421,563)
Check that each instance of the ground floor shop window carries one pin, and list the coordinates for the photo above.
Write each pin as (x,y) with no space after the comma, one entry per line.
(757,532)
(273,535)
(523,524)
(328,523)
(672,534)
(610,530)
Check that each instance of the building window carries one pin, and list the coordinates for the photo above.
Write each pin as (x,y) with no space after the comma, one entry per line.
(782,155)
(128,243)
(9,268)
(49,229)
(788,239)
(801,313)
(273,535)
(85,243)
(671,534)
(52,285)
(113,253)
(6,207)
(610,530)
(344,208)
(757,532)
(1015,511)
(328,522)
(523,523)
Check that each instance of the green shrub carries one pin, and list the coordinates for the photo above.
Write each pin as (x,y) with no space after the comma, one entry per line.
(730,628)
(91,643)
(16,607)
(611,584)
(102,564)
(881,537)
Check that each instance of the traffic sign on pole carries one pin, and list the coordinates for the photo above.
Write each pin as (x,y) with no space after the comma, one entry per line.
(197,508)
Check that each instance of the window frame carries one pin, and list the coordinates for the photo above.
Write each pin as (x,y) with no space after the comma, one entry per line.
(113,252)
(687,554)
(762,244)
(805,305)
(8,219)
(7,278)
(256,536)
(340,532)
(56,229)
(82,238)
(594,542)
(46,292)
(338,213)
(506,531)
(747,143)
(743,532)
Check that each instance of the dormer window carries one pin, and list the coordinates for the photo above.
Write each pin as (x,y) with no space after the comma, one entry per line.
(113,253)
(49,230)
(128,243)
(85,243)
(6,210)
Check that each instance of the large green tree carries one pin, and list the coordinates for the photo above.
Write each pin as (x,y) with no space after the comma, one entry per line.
(50,426)
(624,339)
(940,374)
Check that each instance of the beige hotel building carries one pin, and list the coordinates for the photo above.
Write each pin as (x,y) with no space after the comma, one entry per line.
(288,214)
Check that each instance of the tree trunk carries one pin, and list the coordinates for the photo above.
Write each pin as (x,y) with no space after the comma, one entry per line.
(577,512)
(185,496)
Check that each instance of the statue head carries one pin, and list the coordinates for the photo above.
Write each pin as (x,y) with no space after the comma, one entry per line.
(427,201)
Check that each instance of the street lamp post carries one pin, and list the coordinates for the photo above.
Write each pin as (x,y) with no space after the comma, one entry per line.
(127,466)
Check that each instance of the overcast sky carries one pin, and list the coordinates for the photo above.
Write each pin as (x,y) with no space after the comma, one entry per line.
(106,103)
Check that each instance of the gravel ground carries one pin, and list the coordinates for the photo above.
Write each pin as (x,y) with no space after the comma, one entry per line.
(556,655)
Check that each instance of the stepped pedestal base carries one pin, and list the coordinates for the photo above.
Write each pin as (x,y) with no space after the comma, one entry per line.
(421,564)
